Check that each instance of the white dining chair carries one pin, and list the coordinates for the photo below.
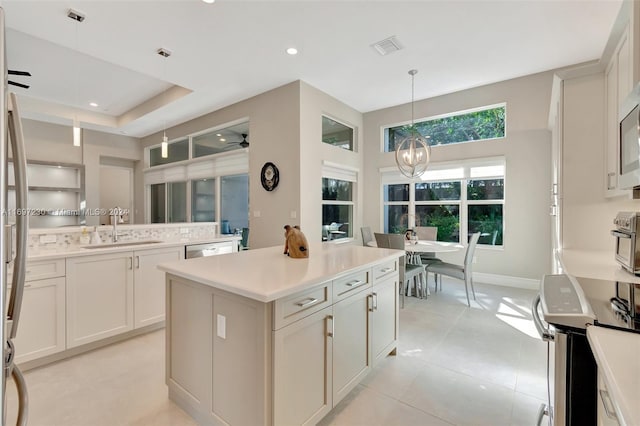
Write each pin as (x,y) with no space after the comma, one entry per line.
(462,272)
(367,236)
(412,273)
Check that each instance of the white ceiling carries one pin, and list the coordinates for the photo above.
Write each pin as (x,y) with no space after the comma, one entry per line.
(234,49)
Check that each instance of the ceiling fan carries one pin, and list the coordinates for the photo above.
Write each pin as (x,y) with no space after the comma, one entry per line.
(244,143)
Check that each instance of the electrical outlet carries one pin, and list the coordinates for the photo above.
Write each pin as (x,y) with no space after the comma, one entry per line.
(475,259)
(256,213)
(293,214)
(44,239)
(221,326)
(184,230)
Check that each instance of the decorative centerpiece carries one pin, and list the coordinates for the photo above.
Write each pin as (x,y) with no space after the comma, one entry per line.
(295,243)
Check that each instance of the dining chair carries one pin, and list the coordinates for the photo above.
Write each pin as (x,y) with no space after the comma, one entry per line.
(367,237)
(412,273)
(429,233)
(462,272)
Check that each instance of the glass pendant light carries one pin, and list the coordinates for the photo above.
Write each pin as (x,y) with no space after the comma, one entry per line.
(164,147)
(413,152)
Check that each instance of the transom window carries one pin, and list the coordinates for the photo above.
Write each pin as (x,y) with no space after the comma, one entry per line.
(459,200)
(337,134)
(466,126)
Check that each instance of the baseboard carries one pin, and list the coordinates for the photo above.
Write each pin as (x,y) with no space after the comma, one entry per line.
(506,281)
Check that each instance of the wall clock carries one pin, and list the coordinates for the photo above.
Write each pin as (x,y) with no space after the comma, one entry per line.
(269,176)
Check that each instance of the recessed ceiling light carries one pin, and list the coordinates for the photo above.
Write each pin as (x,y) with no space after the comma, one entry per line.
(223,140)
(209,1)
(292,51)
(218,134)
(93,104)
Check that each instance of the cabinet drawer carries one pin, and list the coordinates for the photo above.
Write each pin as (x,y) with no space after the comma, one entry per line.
(299,305)
(384,269)
(39,270)
(351,284)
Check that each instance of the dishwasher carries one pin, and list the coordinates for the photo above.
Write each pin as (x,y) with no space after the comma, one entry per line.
(207,249)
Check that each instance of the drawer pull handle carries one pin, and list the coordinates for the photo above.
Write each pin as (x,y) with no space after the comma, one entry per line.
(331,333)
(608,405)
(355,283)
(375,301)
(27,285)
(307,302)
(385,270)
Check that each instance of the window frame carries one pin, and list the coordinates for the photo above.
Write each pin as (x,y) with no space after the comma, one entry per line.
(354,134)
(331,170)
(390,176)
(384,130)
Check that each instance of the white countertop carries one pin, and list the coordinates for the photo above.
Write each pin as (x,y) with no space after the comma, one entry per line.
(74,251)
(267,274)
(618,356)
(596,264)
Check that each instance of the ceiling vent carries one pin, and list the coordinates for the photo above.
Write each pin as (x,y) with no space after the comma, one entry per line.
(164,52)
(75,15)
(388,45)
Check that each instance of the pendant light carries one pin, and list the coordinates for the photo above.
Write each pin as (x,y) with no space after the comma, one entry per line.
(77,130)
(413,152)
(164,147)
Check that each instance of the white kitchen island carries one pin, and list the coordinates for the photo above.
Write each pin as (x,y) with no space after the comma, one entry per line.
(258,338)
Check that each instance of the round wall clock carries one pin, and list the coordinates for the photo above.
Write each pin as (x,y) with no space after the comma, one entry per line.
(269,176)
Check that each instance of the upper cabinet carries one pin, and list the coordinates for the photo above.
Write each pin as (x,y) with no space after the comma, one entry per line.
(620,77)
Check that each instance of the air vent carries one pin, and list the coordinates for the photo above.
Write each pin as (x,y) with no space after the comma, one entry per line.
(388,45)
(75,15)
(164,52)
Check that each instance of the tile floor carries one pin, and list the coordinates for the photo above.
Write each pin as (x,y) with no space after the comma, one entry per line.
(455,365)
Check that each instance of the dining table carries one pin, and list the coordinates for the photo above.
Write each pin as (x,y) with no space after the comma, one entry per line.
(415,247)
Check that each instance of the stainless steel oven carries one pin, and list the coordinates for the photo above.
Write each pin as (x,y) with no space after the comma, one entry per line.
(627,246)
(571,367)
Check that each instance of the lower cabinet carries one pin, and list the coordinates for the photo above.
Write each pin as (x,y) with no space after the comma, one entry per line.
(99,297)
(290,361)
(302,370)
(384,317)
(41,327)
(149,285)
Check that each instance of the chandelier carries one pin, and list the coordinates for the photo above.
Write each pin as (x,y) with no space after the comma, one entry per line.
(413,152)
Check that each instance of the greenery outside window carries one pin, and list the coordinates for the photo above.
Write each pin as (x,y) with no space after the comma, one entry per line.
(482,124)
(473,202)
(337,209)
(337,134)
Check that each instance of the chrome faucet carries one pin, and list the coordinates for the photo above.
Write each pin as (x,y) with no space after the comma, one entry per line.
(115,217)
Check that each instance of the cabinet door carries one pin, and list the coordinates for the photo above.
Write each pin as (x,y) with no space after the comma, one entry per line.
(149,284)
(41,327)
(99,297)
(611,125)
(302,369)
(351,356)
(384,318)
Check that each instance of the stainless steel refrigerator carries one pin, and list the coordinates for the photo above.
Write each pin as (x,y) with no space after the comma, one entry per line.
(13,237)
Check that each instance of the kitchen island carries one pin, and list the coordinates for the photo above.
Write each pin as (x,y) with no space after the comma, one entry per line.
(256,337)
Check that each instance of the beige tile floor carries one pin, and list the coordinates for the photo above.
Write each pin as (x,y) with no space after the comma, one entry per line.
(455,365)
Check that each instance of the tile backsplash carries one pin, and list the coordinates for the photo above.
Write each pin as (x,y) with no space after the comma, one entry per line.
(69,237)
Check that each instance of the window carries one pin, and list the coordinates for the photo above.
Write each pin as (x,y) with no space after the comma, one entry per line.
(203,200)
(337,209)
(177,151)
(234,201)
(169,202)
(459,200)
(337,134)
(483,124)
(220,140)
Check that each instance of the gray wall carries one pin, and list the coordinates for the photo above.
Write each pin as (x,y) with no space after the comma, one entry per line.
(527,149)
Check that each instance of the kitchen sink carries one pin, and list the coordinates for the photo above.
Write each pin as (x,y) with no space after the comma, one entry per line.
(122,244)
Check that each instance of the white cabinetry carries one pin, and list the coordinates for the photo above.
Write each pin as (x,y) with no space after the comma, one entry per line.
(149,285)
(291,360)
(618,84)
(41,327)
(607,415)
(99,297)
